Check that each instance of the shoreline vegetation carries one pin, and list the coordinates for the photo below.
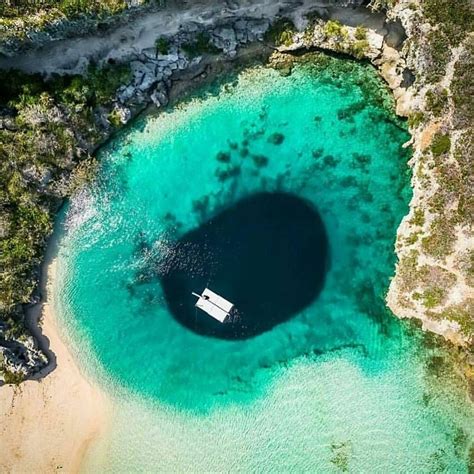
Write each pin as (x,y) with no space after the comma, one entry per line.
(50,128)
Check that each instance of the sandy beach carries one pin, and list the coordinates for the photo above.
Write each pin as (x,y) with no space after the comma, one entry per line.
(47,425)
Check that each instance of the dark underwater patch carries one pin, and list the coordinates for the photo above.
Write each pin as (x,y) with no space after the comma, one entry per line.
(276,138)
(267,254)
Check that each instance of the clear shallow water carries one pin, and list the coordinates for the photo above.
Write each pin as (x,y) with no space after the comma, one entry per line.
(338,381)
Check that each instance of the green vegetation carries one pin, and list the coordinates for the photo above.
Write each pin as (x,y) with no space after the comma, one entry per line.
(341,453)
(200,45)
(359,48)
(453,18)
(462,314)
(334,29)
(439,55)
(418,217)
(436,100)
(433,297)
(408,270)
(15,9)
(462,87)
(415,119)
(38,150)
(281,32)
(412,238)
(439,242)
(441,144)
(19,17)
(114,118)
(360,33)
(162,45)
(378,5)
(12,378)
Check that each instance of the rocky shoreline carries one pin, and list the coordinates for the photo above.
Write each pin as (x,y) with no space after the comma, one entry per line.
(197,49)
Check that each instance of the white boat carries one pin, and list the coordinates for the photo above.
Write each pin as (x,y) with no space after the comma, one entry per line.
(213,304)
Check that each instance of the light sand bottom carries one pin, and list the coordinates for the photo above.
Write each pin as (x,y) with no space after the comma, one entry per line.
(47,425)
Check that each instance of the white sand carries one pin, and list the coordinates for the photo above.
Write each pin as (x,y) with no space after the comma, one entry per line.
(47,425)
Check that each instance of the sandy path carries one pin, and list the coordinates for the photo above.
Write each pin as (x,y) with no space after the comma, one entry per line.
(47,425)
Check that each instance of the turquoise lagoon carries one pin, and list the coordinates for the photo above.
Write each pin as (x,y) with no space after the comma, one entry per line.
(337,382)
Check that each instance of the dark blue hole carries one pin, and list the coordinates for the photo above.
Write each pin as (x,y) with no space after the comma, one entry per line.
(267,254)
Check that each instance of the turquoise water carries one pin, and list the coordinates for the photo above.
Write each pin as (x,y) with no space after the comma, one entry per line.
(337,382)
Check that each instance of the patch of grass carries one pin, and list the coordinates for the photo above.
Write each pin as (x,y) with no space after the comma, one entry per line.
(418,218)
(281,32)
(12,378)
(463,315)
(415,119)
(162,45)
(439,243)
(436,100)
(440,144)
(433,297)
(360,33)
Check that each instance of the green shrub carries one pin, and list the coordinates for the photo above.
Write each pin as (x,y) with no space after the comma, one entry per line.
(453,18)
(47,116)
(114,118)
(440,241)
(418,217)
(162,45)
(440,53)
(333,28)
(360,33)
(463,315)
(12,378)
(359,48)
(281,32)
(440,144)
(415,119)
(433,297)
(462,86)
(436,100)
